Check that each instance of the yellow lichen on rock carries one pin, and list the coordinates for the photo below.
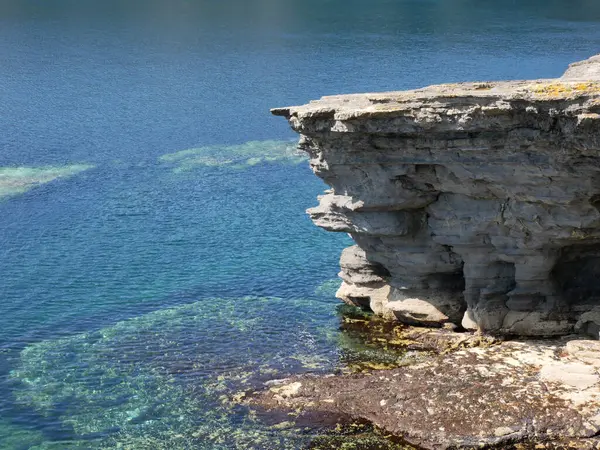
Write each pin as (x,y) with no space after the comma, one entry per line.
(558,89)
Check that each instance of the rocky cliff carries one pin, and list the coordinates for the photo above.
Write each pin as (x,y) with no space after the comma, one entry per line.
(472,205)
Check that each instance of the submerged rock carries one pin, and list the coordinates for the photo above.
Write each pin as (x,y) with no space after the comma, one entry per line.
(18,180)
(473,205)
(240,157)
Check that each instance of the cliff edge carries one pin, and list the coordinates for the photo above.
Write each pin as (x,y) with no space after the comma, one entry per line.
(473,205)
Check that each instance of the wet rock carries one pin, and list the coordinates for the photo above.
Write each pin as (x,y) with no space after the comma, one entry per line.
(508,395)
(473,204)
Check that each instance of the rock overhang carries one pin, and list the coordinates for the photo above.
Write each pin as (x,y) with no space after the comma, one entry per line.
(479,202)
(451,100)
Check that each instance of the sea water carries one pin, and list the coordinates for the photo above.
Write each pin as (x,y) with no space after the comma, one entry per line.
(155,257)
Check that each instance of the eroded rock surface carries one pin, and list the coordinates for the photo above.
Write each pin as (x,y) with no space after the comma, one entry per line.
(544,393)
(472,204)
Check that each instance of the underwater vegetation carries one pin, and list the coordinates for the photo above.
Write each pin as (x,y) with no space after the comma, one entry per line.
(173,378)
(368,342)
(17,180)
(164,379)
(357,435)
(240,156)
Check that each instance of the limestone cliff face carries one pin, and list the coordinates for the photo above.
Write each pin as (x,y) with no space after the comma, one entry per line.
(473,204)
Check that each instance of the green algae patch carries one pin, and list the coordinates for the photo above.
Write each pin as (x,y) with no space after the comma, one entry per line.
(18,180)
(242,156)
(357,435)
(369,342)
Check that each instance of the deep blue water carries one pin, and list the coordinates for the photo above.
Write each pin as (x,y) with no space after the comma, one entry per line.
(140,285)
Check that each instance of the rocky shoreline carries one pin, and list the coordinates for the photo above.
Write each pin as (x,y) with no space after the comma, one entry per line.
(473,393)
(474,207)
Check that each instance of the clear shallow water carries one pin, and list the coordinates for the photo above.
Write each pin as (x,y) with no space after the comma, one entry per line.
(154,252)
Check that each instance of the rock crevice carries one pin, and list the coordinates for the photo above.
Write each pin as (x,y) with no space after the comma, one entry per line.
(473,205)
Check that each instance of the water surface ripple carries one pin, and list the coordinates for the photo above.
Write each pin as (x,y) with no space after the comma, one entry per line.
(154,252)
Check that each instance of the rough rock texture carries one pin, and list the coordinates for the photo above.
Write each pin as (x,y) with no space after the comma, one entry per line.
(473,204)
(541,392)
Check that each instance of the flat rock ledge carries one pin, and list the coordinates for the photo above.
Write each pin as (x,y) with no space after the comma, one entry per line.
(474,205)
(538,395)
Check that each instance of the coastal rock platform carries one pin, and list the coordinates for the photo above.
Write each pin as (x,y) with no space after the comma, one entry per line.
(537,394)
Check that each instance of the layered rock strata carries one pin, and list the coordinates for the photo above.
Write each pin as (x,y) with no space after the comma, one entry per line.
(471,204)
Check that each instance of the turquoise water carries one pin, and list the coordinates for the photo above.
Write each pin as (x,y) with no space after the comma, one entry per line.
(155,257)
